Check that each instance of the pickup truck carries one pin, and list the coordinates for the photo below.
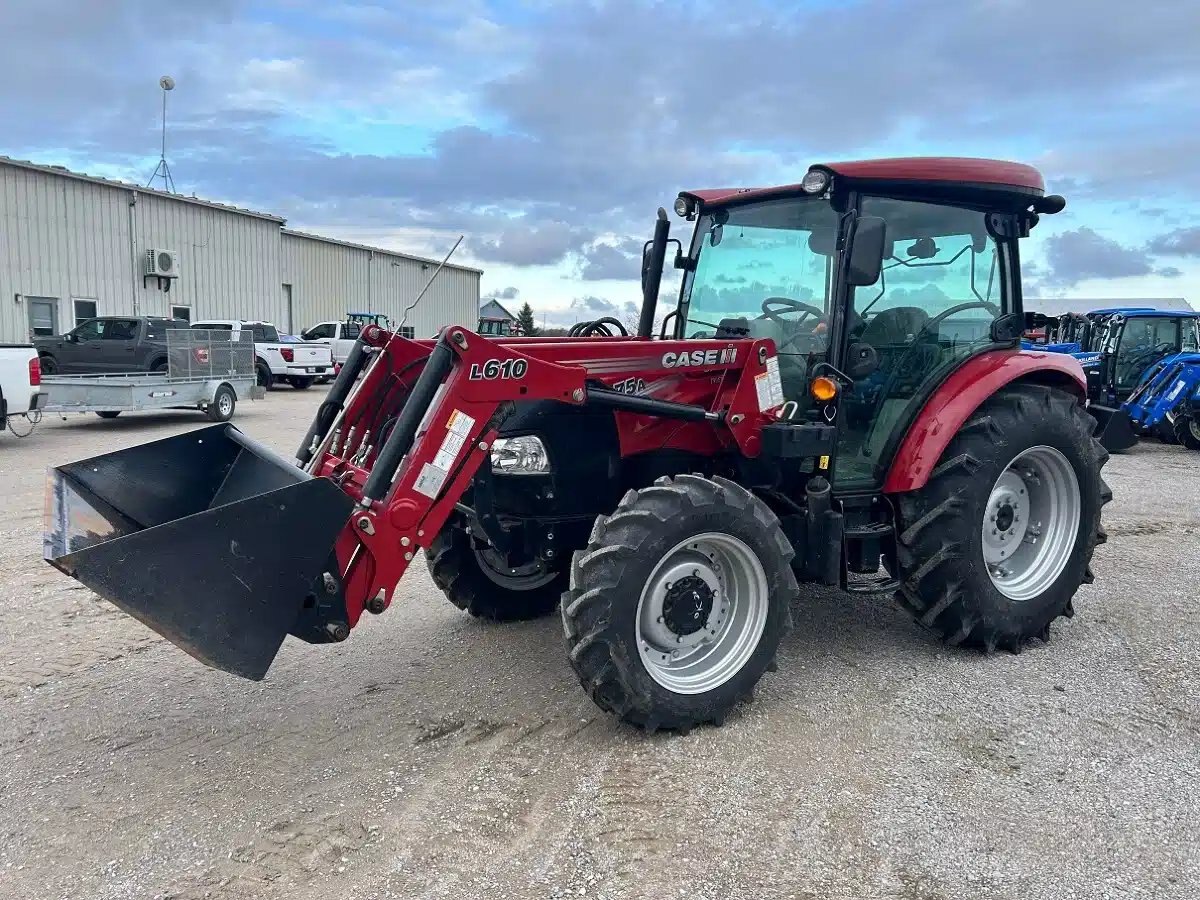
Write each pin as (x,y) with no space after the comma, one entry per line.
(20,379)
(107,345)
(298,364)
(338,336)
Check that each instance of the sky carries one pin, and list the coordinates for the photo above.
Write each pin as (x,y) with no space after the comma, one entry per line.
(548,132)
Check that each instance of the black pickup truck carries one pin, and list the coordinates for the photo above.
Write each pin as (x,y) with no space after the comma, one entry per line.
(108,345)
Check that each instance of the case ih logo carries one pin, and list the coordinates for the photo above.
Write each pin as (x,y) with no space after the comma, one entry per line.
(690,358)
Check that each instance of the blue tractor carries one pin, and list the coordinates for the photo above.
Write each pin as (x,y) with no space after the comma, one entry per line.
(1138,380)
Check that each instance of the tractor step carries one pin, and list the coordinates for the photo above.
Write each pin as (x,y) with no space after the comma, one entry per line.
(871,584)
(873,530)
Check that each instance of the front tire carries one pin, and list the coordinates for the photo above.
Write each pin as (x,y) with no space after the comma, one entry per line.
(994,547)
(1187,431)
(108,413)
(476,581)
(48,365)
(678,603)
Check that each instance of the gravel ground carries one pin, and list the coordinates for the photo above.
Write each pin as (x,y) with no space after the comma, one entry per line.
(434,756)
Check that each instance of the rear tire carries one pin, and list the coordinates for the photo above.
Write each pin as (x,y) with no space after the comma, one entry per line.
(160,367)
(678,603)
(1187,431)
(473,581)
(1029,440)
(300,383)
(108,413)
(224,402)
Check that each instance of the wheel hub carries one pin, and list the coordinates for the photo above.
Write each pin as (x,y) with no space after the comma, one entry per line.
(701,613)
(1030,522)
(687,605)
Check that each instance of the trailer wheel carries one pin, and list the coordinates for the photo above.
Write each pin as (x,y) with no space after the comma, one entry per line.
(678,602)
(994,547)
(223,403)
(108,413)
(300,382)
(1187,431)
(479,583)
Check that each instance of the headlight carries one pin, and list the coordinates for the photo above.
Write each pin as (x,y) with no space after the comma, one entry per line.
(683,207)
(815,181)
(525,455)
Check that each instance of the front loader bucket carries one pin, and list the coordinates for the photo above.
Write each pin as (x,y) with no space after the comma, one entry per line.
(209,538)
(1114,428)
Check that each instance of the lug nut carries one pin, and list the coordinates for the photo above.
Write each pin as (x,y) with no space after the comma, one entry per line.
(338,631)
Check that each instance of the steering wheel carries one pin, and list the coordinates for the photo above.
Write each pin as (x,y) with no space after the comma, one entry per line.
(806,308)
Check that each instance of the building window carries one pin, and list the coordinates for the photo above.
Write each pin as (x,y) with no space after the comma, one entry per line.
(84,310)
(181,312)
(407,331)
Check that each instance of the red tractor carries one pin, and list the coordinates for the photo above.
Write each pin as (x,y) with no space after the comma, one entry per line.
(839,397)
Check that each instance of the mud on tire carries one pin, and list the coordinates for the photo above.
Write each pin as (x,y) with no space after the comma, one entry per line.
(460,573)
(945,582)
(625,553)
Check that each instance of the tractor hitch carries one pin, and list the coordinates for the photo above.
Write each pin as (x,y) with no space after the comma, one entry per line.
(209,538)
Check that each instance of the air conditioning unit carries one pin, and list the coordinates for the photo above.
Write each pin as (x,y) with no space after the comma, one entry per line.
(162,263)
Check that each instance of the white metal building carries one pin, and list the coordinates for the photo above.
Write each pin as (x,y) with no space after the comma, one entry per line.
(74,246)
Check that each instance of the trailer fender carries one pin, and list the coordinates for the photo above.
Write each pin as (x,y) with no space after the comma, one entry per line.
(956,398)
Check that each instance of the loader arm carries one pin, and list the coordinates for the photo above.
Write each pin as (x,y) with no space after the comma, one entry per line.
(438,428)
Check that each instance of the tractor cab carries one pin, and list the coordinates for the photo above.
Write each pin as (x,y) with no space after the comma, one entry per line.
(1133,341)
(884,276)
(363,319)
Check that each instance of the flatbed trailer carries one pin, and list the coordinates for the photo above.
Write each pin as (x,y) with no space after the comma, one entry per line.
(110,395)
(206,370)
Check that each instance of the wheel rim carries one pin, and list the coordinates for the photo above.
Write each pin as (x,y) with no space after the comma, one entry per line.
(1194,428)
(1031,523)
(225,404)
(702,613)
(528,577)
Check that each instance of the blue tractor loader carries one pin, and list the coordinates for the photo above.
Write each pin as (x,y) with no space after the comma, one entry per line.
(1138,365)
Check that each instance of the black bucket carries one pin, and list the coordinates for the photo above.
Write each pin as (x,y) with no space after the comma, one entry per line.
(211,539)
(1114,428)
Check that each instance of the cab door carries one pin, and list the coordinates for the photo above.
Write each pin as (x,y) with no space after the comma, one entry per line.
(944,282)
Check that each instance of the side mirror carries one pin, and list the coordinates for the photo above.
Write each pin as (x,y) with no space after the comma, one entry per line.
(867,237)
(71,337)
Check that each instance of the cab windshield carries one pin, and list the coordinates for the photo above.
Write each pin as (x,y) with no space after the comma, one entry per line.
(767,269)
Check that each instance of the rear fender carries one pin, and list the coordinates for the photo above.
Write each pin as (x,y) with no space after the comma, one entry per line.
(968,388)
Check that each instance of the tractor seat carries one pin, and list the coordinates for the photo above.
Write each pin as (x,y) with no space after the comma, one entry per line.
(895,328)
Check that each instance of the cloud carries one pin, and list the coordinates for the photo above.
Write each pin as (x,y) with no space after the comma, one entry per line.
(602,262)
(1074,256)
(466,116)
(1183,242)
(508,293)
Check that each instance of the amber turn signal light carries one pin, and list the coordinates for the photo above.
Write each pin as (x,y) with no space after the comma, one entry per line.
(824,389)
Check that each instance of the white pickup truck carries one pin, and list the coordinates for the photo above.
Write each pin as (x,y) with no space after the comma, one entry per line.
(299,364)
(20,383)
(338,336)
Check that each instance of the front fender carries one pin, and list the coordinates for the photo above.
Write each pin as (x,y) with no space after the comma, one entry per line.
(968,388)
